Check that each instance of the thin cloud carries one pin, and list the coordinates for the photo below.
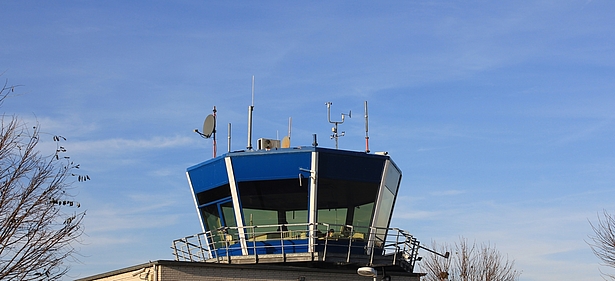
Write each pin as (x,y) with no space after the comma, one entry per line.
(415,215)
(423,149)
(448,192)
(119,145)
(111,219)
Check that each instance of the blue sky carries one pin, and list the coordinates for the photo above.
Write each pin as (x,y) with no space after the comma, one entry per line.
(500,113)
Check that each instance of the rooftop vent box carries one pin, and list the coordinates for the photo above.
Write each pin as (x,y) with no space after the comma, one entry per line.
(266,144)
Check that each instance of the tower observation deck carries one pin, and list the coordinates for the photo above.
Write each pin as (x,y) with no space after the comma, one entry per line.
(297,205)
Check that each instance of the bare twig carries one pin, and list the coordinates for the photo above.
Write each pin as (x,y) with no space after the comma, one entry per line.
(603,241)
(469,262)
(36,231)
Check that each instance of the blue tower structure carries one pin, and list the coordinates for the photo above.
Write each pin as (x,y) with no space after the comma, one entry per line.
(307,205)
(303,204)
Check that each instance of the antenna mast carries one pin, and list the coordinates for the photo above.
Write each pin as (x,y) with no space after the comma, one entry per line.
(209,129)
(290,123)
(286,139)
(214,132)
(366,130)
(250,110)
(335,135)
(229,137)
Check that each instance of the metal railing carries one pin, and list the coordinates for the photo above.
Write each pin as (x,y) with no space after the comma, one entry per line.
(339,243)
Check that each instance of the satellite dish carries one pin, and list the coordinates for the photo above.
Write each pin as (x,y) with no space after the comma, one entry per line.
(286,142)
(209,126)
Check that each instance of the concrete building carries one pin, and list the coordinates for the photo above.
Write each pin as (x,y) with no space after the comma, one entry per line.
(164,270)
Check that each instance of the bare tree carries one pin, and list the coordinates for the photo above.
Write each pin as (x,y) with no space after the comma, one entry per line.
(469,262)
(37,224)
(603,241)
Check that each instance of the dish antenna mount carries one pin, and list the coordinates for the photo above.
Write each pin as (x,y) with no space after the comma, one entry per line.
(209,129)
(335,134)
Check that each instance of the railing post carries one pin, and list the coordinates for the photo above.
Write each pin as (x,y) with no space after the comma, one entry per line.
(415,250)
(188,249)
(213,245)
(373,243)
(175,250)
(397,247)
(228,259)
(254,244)
(198,237)
(324,254)
(350,242)
(312,239)
(282,242)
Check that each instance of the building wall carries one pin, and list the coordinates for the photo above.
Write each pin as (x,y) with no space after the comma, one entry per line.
(197,271)
(144,273)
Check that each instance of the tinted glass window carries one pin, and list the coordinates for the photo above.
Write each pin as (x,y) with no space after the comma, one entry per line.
(274,202)
(345,202)
(392,179)
(384,213)
(350,167)
(213,194)
(211,216)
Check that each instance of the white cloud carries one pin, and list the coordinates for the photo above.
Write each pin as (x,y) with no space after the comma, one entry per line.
(448,192)
(118,144)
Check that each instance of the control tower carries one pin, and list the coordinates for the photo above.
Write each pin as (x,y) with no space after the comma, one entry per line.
(297,205)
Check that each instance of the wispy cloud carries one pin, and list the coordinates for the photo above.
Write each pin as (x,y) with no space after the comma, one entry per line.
(447,192)
(587,132)
(120,145)
(423,149)
(529,235)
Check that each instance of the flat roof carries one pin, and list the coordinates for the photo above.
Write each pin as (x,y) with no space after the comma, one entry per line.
(321,267)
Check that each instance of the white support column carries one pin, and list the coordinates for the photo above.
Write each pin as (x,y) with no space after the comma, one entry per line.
(313,205)
(236,207)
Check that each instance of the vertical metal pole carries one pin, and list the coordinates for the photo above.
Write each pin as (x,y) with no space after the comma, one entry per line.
(366,130)
(336,137)
(229,137)
(188,249)
(373,244)
(175,250)
(213,244)
(250,110)
(349,242)
(215,123)
(329,110)
(324,255)
(228,259)
(396,247)
(254,244)
(290,123)
(202,250)
(282,242)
